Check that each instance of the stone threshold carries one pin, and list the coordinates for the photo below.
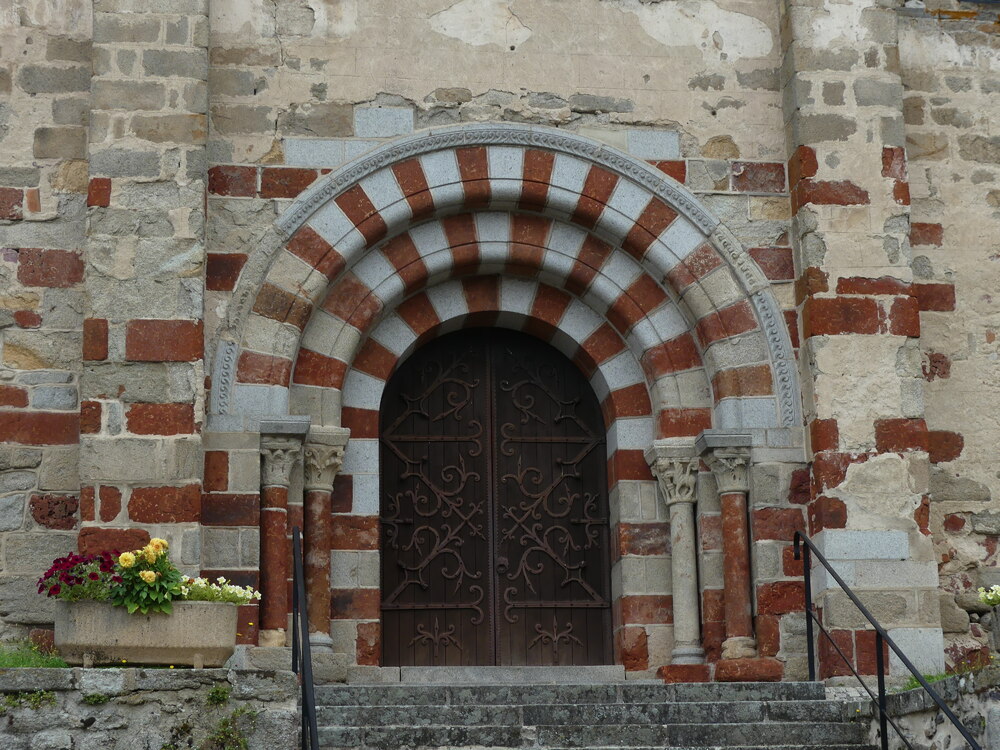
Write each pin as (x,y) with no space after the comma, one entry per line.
(591,675)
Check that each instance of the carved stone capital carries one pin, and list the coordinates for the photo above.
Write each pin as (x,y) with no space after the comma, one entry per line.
(676,469)
(731,468)
(279,454)
(323,457)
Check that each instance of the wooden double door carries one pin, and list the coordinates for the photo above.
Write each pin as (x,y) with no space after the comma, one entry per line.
(494,512)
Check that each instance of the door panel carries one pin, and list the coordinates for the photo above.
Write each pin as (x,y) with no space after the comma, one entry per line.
(494,507)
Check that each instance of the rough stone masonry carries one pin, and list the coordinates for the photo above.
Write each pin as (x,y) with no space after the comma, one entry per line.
(764,233)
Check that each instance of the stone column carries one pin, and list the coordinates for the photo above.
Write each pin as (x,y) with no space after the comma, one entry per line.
(279,454)
(729,465)
(675,468)
(322,459)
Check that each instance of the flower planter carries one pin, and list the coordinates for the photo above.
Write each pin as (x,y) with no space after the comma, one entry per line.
(995,631)
(199,634)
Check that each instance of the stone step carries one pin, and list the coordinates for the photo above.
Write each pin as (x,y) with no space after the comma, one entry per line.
(811,735)
(592,675)
(658,747)
(433,695)
(585,713)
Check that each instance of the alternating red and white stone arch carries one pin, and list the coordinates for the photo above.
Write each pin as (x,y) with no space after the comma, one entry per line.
(529,228)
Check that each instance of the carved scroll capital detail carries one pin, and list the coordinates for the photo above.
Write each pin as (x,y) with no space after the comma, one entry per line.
(322,464)
(677,477)
(279,454)
(730,467)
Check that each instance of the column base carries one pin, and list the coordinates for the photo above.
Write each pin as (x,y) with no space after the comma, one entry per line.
(687,655)
(739,647)
(672,673)
(758,669)
(271,638)
(320,642)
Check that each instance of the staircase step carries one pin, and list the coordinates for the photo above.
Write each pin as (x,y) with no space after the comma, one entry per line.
(701,735)
(611,673)
(433,695)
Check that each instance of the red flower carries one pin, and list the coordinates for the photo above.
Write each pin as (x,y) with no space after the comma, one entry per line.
(93,576)
(54,591)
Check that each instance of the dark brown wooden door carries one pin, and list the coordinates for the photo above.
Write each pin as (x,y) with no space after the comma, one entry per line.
(494,507)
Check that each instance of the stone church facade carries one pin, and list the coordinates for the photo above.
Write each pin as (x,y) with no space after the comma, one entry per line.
(755,240)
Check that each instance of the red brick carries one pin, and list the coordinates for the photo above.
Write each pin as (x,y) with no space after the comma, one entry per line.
(597,189)
(12,395)
(11,204)
(758,177)
(780,597)
(824,435)
(827,513)
(632,401)
(789,565)
(828,193)
(698,264)
(363,423)
(944,446)
(628,464)
(865,654)
(342,500)
(39,428)
(798,490)
(160,419)
(357,207)
(792,324)
(646,610)
(93,540)
(221,509)
(222,271)
(354,532)
(676,355)
(683,673)
(216,471)
(881,285)
(164,340)
(111,503)
(655,218)
(802,164)
(278,304)
(777,523)
(832,663)
(412,181)
(922,233)
(308,245)
(830,316)
(904,317)
(44,639)
(901,192)
(812,281)
(536,176)
(165,504)
(729,321)
(234,181)
(87,504)
(897,435)
(312,368)
(643,539)
(285,182)
(631,650)
(830,469)
(760,669)
(775,262)
(247,628)
(49,268)
(27,319)
(954,522)
(95,339)
(936,365)
(263,369)
(675,169)
(55,511)
(600,346)
(355,604)
(710,532)
(369,644)
(475,170)
(752,380)
(894,162)
(90,417)
(768,635)
(936,297)
(99,192)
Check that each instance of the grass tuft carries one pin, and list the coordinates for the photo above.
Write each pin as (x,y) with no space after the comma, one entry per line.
(21,654)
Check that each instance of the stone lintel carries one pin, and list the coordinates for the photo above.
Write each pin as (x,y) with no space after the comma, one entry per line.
(292,424)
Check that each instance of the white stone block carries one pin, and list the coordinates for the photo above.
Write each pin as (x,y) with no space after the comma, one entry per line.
(924,647)
(654,144)
(314,152)
(846,544)
(382,122)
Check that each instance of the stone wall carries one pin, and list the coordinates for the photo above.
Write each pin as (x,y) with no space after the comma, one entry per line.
(150,708)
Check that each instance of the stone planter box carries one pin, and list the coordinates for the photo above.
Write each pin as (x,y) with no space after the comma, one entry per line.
(197,634)
(995,631)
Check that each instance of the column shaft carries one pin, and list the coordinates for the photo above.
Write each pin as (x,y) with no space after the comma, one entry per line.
(317,558)
(684,585)
(274,566)
(736,576)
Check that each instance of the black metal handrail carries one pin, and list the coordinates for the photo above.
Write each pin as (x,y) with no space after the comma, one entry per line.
(804,550)
(301,654)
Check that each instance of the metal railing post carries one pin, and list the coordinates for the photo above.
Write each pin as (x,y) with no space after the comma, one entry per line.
(880,668)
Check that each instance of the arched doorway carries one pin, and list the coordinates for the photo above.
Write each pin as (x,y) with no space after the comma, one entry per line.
(494,511)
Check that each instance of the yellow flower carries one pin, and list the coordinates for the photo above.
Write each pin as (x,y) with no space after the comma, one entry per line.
(126,559)
(147,575)
(160,545)
(150,554)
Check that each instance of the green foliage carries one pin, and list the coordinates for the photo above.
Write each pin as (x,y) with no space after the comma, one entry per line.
(912,684)
(231,732)
(95,699)
(218,695)
(33,700)
(148,581)
(25,654)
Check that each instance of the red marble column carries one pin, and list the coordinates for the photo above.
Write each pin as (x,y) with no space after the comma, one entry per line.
(729,465)
(324,454)
(279,454)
